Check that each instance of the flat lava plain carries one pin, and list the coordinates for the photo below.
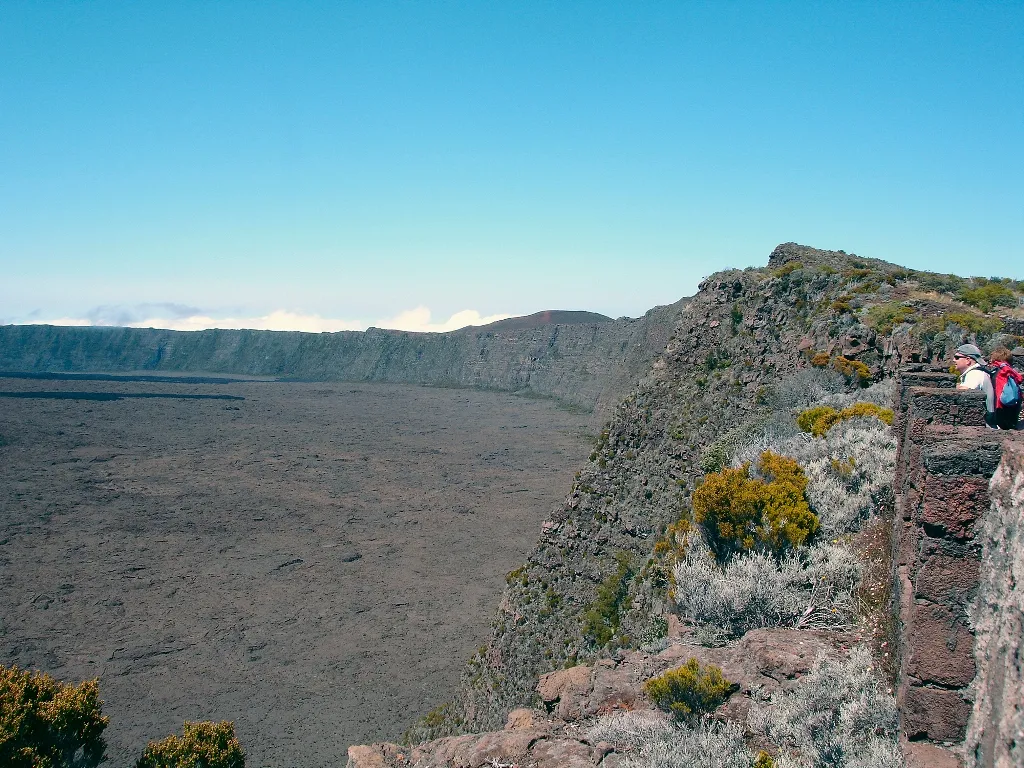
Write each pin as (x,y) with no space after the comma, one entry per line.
(315,562)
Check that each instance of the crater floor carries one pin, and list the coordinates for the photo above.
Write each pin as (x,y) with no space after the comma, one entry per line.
(315,562)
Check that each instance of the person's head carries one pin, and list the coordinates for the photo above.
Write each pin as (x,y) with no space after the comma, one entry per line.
(1000,355)
(967,355)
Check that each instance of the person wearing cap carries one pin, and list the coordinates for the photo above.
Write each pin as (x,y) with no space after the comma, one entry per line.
(968,362)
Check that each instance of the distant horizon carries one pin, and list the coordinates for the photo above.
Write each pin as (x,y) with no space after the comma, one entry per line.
(324,166)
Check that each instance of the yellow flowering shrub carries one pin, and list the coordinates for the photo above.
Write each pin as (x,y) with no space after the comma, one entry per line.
(201,745)
(822,418)
(45,723)
(689,691)
(740,512)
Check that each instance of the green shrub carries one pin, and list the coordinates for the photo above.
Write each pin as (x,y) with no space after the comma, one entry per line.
(853,370)
(201,745)
(45,723)
(736,316)
(972,322)
(689,691)
(788,269)
(601,621)
(988,294)
(885,317)
(740,513)
(842,306)
(822,418)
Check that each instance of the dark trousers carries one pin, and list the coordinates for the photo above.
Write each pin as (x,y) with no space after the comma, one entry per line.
(1004,418)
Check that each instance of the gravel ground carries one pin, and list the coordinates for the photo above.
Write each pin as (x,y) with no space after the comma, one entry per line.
(315,561)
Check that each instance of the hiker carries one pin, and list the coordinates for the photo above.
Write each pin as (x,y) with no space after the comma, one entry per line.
(1007,385)
(969,362)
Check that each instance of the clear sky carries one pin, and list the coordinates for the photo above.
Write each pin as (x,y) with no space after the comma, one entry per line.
(343,164)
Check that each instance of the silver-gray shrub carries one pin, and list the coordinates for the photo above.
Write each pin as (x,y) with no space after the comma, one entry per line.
(810,589)
(837,716)
(648,740)
(849,470)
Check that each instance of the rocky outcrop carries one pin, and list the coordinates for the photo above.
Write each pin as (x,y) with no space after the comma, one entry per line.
(957,540)
(995,737)
(584,363)
(554,735)
(736,341)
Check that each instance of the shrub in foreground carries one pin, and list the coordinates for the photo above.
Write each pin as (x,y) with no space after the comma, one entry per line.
(689,691)
(202,745)
(741,513)
(811,589)
(644,739)
(838,716)
(45,723)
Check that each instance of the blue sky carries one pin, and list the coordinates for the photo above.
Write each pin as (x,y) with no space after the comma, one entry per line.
(329,165)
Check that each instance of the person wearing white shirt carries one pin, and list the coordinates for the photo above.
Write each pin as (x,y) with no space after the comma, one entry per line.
(968,362)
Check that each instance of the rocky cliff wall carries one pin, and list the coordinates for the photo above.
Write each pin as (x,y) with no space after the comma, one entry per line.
(736,350)
(957,542)
(995,736)
(747,348)
(589,365)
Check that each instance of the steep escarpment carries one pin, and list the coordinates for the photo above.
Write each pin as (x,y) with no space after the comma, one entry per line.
(622,584)
(734,356)
(579,358)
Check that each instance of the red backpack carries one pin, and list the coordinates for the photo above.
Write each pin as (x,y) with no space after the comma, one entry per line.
(1006,381)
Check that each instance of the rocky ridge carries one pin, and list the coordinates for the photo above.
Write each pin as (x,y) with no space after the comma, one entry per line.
(741,336)
(738,352)
(582,359)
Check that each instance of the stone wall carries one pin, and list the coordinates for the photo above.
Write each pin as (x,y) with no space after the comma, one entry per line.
(945,463)
(995,737)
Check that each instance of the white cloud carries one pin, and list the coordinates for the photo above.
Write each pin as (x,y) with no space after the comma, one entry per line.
(278,320)
(418,319)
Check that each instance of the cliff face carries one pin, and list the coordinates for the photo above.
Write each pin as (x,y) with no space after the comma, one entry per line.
(740,347)
(744,352)
(590,365)
(994,736)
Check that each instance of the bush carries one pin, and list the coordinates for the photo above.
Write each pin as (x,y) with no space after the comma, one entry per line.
(645,740)
(202,745)
(849,470)
(740,512)
(822,418)
(820,359)
(853,370)
(602,620)
(885,317)
(810,589)
(689,691)
(788,268)
(838,716)
(986,295)
(970,322)
(45,723)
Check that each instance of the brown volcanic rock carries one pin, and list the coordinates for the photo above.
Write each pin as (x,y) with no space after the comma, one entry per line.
(763,661)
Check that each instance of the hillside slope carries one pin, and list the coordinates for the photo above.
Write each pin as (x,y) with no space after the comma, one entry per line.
(748,346)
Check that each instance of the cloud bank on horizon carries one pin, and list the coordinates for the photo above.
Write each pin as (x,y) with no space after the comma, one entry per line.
(176,317)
